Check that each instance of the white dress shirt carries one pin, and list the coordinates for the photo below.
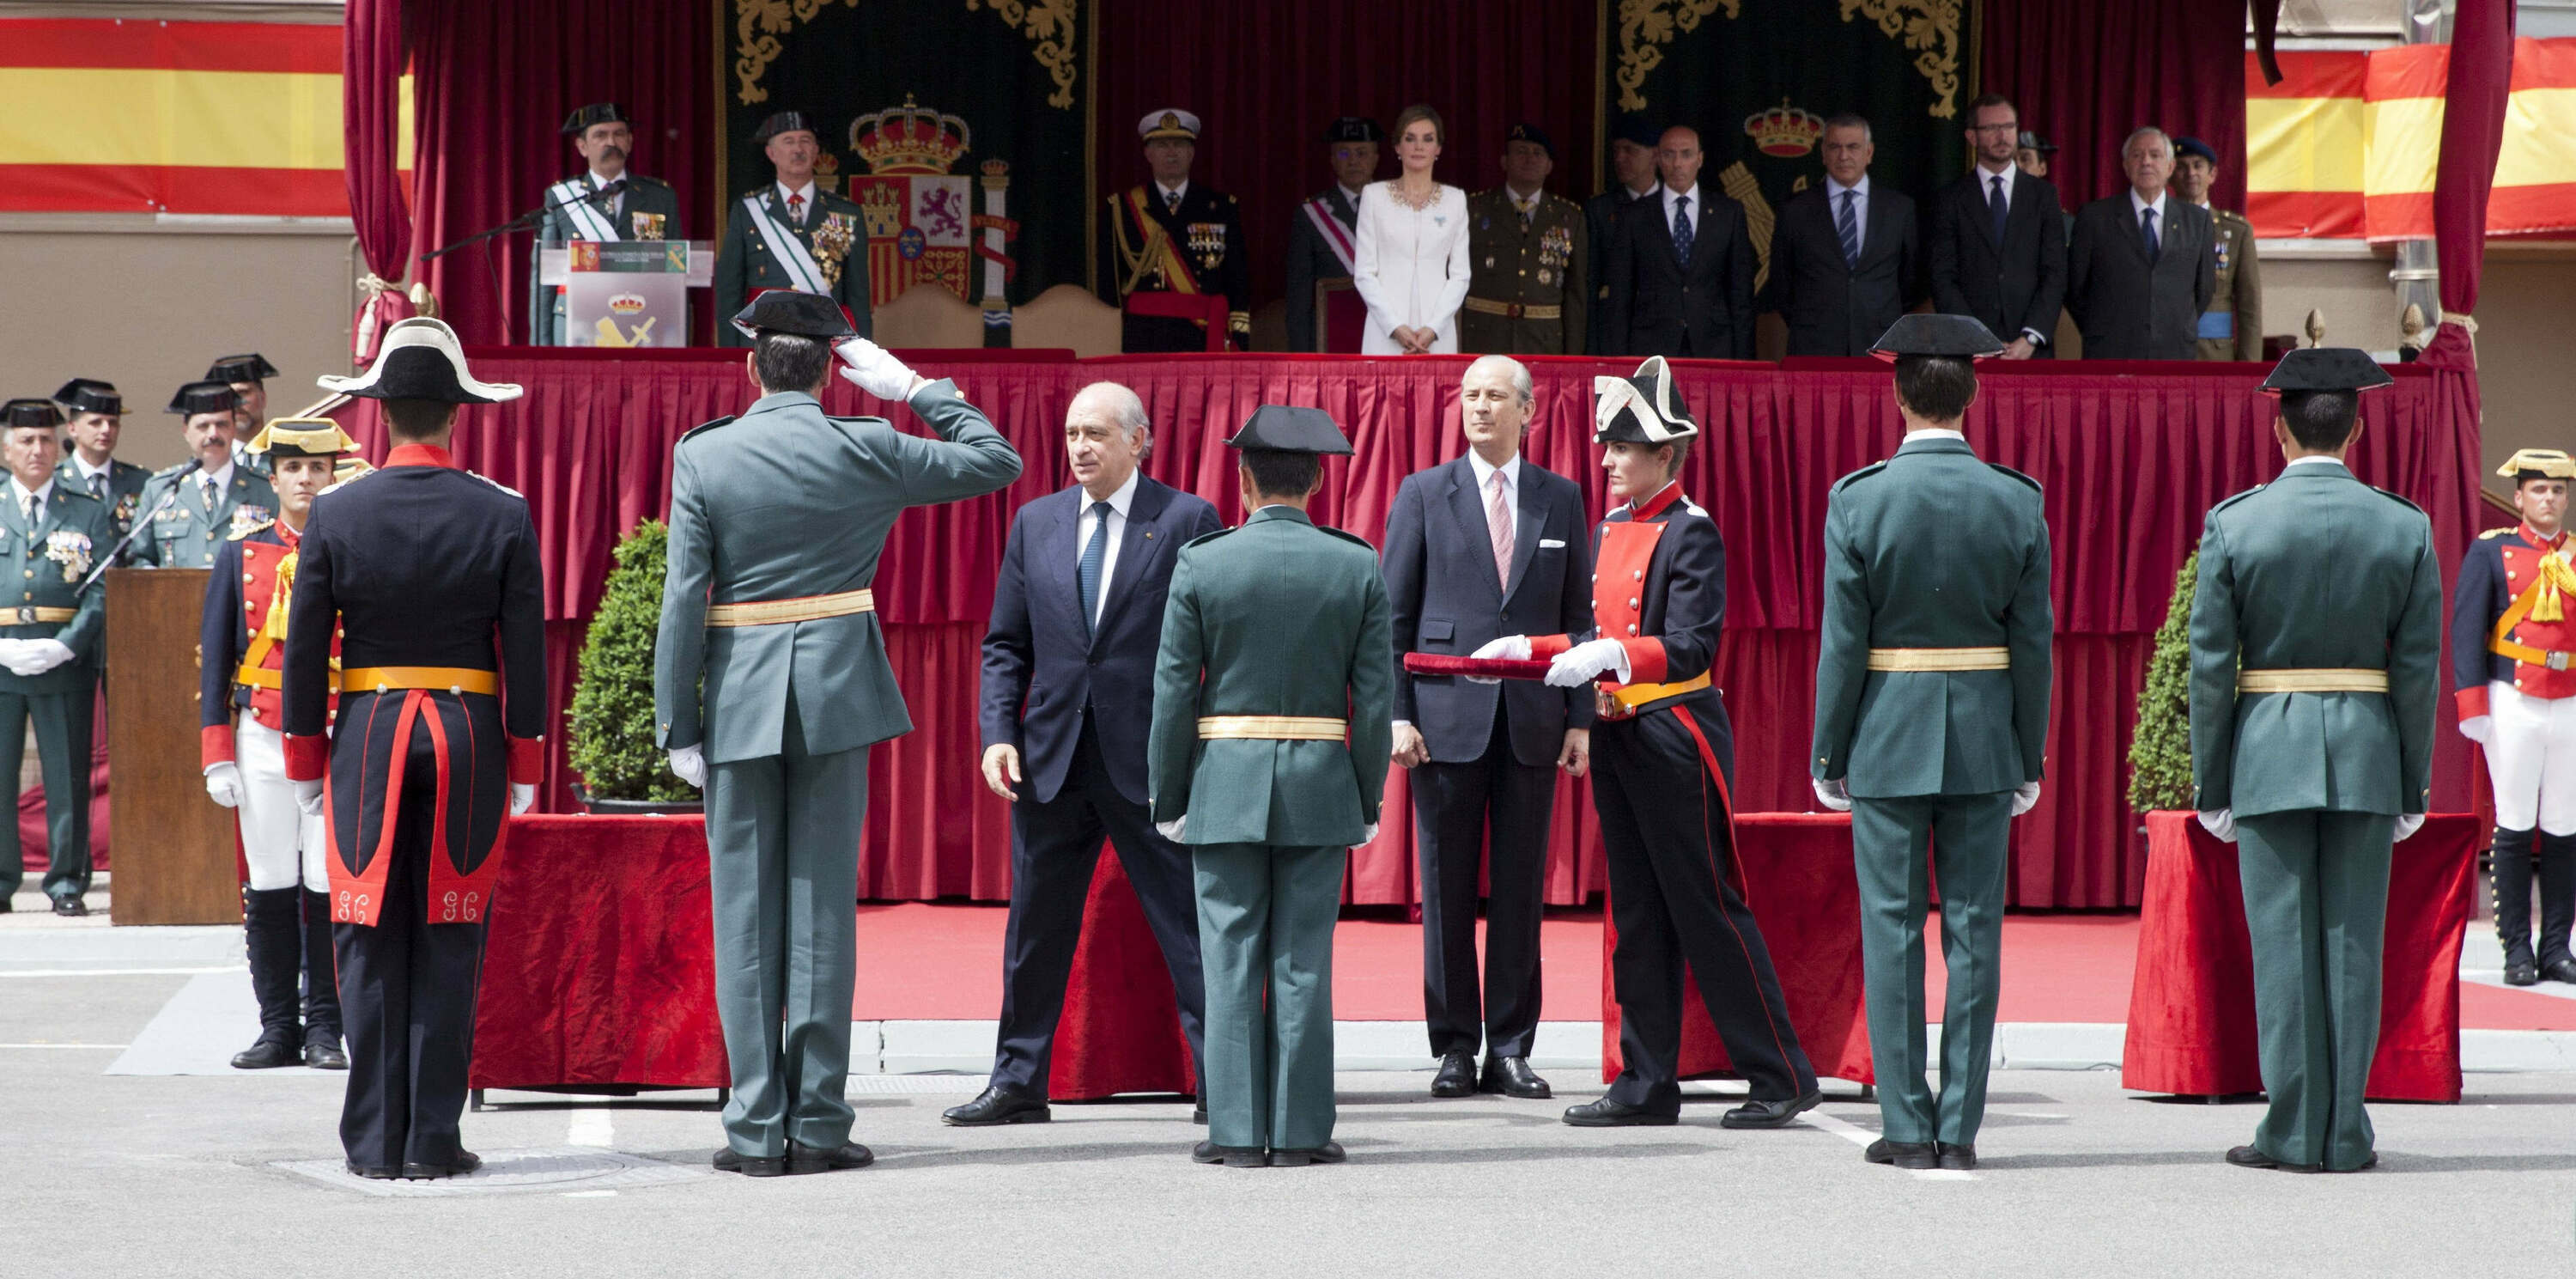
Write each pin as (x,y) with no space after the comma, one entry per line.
(1672,199)
(2313,459)
(614,202)
(1118,504)
(1860,210)
(799,211)
(2139,206)
(87,472)
(1934,433)
(1986,196)
(18,495)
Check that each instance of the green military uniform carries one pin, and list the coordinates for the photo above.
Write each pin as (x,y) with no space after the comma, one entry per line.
(2325,592)
(186,526)
(1932,692)
(1527,289)
(2232,327)
(117,487)
(47,565)
(1275,646)
(647,209)
(786,504)
(760,228)
(235,371)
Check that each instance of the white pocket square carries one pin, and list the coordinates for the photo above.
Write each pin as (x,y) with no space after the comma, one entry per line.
(1546,542)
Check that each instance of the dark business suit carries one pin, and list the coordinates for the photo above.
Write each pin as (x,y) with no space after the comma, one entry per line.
(1078,704)
(1833,306)
(1660,306)
(1311,260)
(2131,308)
(1493,746)
(2011,285)
(1600,222)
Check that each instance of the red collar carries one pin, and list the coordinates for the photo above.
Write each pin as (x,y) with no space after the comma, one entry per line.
(289,536)
(420,455)
(1654,506)
(2537,541)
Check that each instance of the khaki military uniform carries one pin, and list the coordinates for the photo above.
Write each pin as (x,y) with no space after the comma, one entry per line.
(1528,289)
(2232,327)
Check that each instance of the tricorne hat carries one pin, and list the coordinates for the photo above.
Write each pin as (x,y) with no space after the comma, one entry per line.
(788,311)
(30,412)
(580,121)
(785,122)
(421,360)
(301,437)
(89,395)
(252,367)
(1642,408)
(210,396)
(2326,368)
(2538,464)
(1282,428)
(1962,337)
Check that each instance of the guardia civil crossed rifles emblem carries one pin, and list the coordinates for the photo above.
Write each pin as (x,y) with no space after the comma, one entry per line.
(919,223)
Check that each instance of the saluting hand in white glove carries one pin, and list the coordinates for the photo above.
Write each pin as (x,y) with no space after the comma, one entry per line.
(874,369)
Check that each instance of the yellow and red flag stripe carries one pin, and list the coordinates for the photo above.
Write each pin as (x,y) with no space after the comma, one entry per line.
(130,116)
(2347,144)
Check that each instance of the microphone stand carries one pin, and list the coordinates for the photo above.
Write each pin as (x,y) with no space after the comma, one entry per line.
(141,523)
(525,221)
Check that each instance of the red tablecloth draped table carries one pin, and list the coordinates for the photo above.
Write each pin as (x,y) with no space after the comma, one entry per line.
(2191,1005)
(600,969)
(2132,455)
(1805,893)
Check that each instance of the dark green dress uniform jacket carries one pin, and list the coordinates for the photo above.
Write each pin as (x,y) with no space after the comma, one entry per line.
(647,209)
(1542,262)
(121,495)
(45,568)
(184,533)
(747,262)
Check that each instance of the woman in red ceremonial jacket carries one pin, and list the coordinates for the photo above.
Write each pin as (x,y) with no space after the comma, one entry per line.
(286,910)
(1661,757)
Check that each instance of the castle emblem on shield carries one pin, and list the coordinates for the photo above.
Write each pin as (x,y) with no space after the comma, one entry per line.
(920,225)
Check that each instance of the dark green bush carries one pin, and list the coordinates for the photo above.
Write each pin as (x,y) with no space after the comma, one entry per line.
(611,743)
(2160,755)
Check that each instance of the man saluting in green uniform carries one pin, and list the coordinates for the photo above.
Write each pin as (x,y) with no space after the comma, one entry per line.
(777,519)
(1273,633)
(1931,718)
(2316,644)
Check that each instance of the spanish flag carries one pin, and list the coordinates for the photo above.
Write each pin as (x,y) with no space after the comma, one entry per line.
(134,116)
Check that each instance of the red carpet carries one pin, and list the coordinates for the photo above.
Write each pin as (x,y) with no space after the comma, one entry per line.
(920,961)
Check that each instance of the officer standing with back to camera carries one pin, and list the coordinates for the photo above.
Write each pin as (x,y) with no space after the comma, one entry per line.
(778,517)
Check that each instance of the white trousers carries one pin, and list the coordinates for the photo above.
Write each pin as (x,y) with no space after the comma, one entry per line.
(282,845)
(2532,764)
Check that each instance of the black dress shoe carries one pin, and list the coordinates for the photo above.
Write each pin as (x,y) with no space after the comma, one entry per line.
(2560,970)
(1198,1114)
(2521,972)
(8,907)
(71,906)
(324,1053)
(998,1105)
(1512,1077)
(1958,1156)
(373,1173)
(1917,1156)
(2249,1157)
(1758,1113)
(271,1052)
(1208,1152)
(1606,1113)
(802,1158)
(731,1160)
(1457,1077)
(1328,1153)
(466,1161)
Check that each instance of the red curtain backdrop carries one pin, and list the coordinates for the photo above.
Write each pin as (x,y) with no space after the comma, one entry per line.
(494,83)
(2131,454)
(1266,76)
(2085,75)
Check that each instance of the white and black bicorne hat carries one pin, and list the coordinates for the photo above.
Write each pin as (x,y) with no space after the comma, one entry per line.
(421,360)
(1642,408)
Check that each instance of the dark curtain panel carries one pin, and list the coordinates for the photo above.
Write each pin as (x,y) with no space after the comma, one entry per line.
(2087,74)
(1266,76)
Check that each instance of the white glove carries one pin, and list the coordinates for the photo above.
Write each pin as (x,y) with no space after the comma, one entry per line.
(1581,664)
(874,370)
(1368,836)
(2408,824)
(2479,729)
(46,654)
(690,764)
(2025,798)
(223,784)
(14,654)
(1175,828)
(1835,795)
(308,797)
(2220,822)
(523,796)
(1510,648)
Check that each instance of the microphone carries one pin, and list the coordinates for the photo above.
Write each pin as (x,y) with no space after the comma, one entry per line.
(144,521)
(606,191)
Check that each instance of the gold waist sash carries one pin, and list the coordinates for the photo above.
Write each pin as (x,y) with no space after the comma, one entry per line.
(2318,680)
(805,609)
(1940,659)
(1516,310)
(1278,728)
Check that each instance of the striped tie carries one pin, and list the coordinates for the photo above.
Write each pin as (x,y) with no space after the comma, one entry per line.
(1848,227)
(1498,522)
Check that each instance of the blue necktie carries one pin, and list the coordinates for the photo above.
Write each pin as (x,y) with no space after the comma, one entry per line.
(1087,576)
(2147,227)
(1996,208)
(1682,229)
(1848,227)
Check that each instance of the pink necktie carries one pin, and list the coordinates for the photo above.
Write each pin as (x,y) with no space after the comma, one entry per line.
(1498,521)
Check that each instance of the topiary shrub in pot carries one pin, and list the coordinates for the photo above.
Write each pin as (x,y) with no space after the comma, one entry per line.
(611,730)
(2160,753)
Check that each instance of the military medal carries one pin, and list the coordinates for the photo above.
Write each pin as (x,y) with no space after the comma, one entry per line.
(247,519)
(69,548)
(1546,276)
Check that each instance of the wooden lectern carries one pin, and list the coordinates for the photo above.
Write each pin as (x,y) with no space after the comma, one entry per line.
(176,860)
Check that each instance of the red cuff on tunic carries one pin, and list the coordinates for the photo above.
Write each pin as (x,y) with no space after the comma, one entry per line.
(308,759)
(2473,702)
(527,760)
(1546,647)
(1645,660)
(214,745)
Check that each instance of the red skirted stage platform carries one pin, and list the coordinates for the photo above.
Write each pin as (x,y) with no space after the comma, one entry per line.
(2191,1004)
(2132,455)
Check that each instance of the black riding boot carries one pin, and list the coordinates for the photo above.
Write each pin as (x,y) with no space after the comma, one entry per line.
(272,926)
(321,987)
(2557,905)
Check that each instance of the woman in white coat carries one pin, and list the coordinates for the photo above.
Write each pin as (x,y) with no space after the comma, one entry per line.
(1412,260)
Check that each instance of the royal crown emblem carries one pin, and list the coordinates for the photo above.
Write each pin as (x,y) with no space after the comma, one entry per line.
(627,304)
(1784,130)
(918,217)
(909,139)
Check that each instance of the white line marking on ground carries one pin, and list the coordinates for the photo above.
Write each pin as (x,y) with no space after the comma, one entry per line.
(109,1047)
(590,1194)
(119,972)
(591,1126)
(1861,1137)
